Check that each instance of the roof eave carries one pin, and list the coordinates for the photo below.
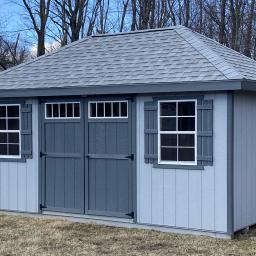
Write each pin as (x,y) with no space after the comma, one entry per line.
(208,86)
(248,85)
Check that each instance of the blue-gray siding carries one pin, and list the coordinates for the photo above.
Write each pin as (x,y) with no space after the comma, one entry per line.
(193,199)
(244,160)
(19,181)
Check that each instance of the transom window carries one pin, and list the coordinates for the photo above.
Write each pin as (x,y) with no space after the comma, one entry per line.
(62,110)
(177,132)
(9,131)
(108,109)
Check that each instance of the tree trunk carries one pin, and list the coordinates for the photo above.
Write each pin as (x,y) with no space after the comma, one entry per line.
(134,15)
(248,37)
(222,22)
(187,12)
(41,43)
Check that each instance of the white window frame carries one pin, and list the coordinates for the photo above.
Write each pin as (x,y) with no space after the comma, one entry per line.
(59,103)
(176,133)
(12,131)
(108,117)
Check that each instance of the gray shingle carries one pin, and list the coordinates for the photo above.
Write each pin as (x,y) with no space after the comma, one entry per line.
(175,54)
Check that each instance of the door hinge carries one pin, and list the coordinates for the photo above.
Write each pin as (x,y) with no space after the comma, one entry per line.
(131,214)
(42,154)
(131,156)
(41,206)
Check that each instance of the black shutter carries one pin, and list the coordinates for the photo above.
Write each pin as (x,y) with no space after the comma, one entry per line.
(205,132)
(26,131)
(150,132)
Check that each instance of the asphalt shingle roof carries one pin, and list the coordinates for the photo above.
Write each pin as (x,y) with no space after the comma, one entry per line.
(170,55)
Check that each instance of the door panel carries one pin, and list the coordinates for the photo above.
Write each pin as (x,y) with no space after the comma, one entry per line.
(63,168)
(110,172)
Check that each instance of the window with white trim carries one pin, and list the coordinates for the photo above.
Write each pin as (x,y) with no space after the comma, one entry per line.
(10,131)
(177,142)
(108,109)
(62,110)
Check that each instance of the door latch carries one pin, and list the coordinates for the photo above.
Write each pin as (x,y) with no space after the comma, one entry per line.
(131,156)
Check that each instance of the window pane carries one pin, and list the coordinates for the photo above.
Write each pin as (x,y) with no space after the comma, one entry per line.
(69,110)
(13,149)
(2,124)
(3,149)
(108,109)
(169,154)
(13,137)
(186,108)
(116,109)
(49,110)
(2,111)
(93,109)
(124,109)
(186,140)
(3,137)
(62,110)
(55,110)
(186,124)
(186,154)
(168,109)
(76,110)
(100,109)
(13,111)
(168,124)
(13,124)
(168,140)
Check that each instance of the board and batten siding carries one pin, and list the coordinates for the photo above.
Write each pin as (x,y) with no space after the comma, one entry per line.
(244,160)
(19,180)
(180,198)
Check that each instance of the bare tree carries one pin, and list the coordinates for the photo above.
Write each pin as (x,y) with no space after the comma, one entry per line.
(124,11)
(12,53)
(187,12)
(38,11)
(236,14)
(249,30)
(103,16)
(70,17)
(222,23)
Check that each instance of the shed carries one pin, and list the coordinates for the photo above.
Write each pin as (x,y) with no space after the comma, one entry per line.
(150,128)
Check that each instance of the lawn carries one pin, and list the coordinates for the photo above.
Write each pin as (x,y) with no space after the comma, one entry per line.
(38,236)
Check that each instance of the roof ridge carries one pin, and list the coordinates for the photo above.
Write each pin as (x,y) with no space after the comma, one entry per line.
(136,31)
(214,58)
(45,55)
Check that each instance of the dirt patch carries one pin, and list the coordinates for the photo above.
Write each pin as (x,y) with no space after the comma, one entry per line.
(37,236)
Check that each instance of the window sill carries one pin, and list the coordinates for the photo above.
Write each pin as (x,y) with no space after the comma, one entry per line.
(20,160)
(184,167)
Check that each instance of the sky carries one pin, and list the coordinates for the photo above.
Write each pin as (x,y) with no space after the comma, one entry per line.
(13,22)
(10,14)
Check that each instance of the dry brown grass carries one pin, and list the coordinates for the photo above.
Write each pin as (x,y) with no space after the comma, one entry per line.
(37,236)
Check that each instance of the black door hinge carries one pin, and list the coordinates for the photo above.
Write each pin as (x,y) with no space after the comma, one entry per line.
(42,206)
(131,156)
(42,154)
(130,214)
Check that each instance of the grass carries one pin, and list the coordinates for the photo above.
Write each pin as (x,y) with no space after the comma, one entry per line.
(38,236)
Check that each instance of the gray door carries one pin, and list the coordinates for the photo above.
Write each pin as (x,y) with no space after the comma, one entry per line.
(110,158)
(62,157)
